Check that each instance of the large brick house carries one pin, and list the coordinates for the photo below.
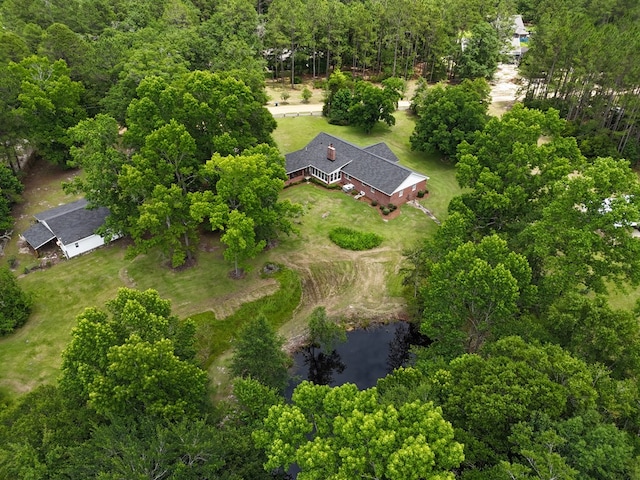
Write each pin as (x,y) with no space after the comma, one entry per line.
(373,170)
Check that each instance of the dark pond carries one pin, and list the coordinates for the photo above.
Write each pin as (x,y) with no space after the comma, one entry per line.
(367,355)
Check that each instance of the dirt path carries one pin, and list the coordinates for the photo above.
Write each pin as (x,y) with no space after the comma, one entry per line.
(350,285)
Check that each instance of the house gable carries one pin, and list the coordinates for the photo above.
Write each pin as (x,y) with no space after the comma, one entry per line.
(38,235)
(382,150)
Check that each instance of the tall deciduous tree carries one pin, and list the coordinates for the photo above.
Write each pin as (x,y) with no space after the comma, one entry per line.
(96,150)
(474,294)
(345,433)
(485,396)
(258,354)
(449,115)
(49,103)
(135,359)
(509,167)
(251,183)
(481,54)
(583,237)
(240,239)
(147,447)
(590,329)
(221,113)
(38,431)
(165,221)
(371,104)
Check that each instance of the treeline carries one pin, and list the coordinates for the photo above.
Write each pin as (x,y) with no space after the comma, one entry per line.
(64,62)
(535,369)
(583,61)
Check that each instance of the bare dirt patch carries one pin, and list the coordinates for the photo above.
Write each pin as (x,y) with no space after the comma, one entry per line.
(350,285)
(505,88)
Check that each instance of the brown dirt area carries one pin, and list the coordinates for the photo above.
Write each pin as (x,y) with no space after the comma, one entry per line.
(350,285)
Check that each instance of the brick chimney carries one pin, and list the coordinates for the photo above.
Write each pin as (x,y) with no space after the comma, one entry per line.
(331,152)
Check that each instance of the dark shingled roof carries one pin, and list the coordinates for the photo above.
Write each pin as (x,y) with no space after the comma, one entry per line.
(73,221)
(365,164)
(38,235)
(382,150)
(315,154)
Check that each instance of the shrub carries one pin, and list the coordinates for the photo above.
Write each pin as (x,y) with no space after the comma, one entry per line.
(15,306)
(353,240)
(420,193)
(385,211)
(285,95)
(306,95)
(391,207)
(374,203)
(320,84)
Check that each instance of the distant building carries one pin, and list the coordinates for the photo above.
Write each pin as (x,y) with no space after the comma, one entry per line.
(520,39)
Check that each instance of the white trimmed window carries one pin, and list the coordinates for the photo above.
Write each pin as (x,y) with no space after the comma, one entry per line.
(413,189)
(400,193)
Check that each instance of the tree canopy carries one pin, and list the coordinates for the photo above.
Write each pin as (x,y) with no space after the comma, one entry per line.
(133,359)
(258,354)
(449,115)
(15,304)
(341,432)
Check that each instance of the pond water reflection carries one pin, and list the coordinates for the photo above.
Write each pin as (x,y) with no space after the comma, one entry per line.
(367,355)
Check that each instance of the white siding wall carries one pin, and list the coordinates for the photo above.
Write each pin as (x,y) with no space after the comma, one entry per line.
(82,246)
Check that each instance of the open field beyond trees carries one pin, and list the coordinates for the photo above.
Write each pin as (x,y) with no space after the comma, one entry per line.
(355,285)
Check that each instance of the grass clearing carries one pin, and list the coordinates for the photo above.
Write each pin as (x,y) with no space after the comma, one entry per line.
(214,336)
(294,133)
(355,284)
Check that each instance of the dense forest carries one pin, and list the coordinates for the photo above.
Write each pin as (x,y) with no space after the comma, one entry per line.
(531,373)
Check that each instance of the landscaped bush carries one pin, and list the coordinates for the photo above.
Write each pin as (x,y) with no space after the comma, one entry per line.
(385,211)
(392,207)
(353,240)
(374,203)
(420,193)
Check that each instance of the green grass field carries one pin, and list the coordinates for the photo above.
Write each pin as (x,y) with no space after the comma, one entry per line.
(294,133)
(31,356)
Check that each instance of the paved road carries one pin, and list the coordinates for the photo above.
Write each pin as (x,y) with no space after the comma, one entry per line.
(310,109)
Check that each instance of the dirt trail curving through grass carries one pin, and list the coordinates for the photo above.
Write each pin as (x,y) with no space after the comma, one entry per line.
(350,285)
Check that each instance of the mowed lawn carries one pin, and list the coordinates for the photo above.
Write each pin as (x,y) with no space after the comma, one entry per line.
(31,356)
(295,132)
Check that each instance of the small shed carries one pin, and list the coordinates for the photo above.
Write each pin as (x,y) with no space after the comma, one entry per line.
(73,226)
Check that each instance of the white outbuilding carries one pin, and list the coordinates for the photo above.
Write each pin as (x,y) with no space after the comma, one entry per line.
(73,227)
